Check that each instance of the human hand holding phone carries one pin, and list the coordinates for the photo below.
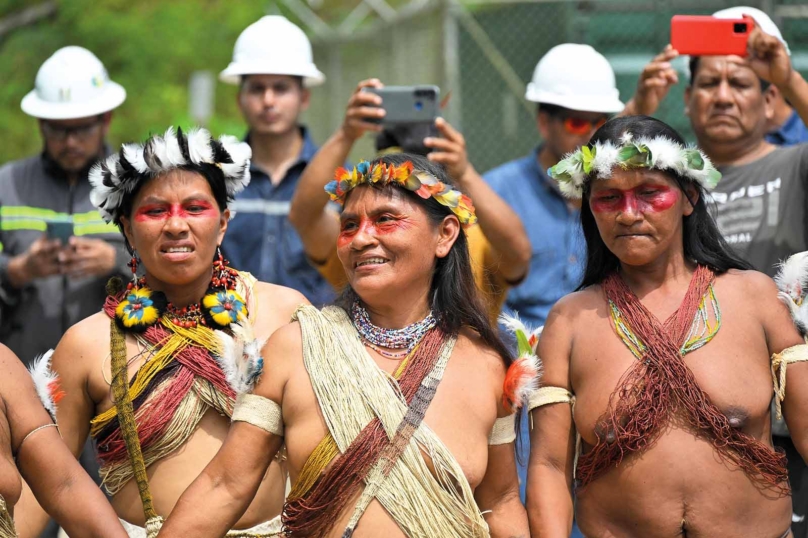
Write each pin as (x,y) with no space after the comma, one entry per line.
(364,111)
(769,58)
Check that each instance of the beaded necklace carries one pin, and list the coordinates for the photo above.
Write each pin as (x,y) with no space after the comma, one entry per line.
(700,333)
(377,337)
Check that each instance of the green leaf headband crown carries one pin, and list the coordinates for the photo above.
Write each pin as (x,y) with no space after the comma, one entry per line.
(659,153)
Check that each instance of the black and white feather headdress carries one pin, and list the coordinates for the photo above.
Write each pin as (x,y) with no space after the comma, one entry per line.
(116,177)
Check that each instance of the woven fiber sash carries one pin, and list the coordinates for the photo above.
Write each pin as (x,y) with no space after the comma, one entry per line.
(357,400)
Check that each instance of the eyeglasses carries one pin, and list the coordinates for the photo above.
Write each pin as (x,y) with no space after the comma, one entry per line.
(82,133)
(581,126)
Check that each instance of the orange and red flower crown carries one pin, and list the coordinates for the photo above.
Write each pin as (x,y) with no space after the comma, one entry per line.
(407,177)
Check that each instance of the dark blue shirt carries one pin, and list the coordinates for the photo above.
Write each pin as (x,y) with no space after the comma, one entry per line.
(554,230)
(791,133)
(260,239)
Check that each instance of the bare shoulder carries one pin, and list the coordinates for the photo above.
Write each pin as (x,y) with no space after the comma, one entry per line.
(479,353)
(748,281)
(83,343)
(10,364)
(282,300)
(575,305)
(748,286)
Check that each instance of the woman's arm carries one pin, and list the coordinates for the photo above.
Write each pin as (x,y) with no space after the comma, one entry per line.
(216,500)
(552,438)
(54,475)
(498,495)
(782,334)
(309,214)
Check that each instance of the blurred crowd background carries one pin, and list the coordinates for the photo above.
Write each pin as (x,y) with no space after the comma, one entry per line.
(480,52)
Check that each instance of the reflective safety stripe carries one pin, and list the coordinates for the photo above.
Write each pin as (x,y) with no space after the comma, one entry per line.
(14,218)
(266,207)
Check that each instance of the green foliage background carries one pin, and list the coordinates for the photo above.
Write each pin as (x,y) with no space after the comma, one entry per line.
(151,47)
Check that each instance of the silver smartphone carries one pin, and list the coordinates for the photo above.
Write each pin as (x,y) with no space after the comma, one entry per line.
(408,104)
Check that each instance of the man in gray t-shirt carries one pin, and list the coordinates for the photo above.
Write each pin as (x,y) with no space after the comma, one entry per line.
(761,207)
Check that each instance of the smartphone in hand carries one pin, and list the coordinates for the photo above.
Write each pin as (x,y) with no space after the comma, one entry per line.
(61,230)
(699,35)
(408,104)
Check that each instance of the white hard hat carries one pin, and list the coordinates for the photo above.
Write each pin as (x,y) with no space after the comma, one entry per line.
(272,46)
(764,21)
(576,77)
(72,84)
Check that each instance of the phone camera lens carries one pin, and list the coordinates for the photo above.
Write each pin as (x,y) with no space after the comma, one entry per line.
(419,105)
(739,27)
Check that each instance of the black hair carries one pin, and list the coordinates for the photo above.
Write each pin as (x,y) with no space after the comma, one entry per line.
(703,243)
(456,302)
(695,61)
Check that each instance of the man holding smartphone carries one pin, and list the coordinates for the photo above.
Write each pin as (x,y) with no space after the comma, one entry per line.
(273,66)
(498,247)
(762,199)
(57,252)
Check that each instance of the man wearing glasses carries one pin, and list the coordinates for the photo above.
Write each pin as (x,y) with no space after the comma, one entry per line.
(57,252)
(574,87)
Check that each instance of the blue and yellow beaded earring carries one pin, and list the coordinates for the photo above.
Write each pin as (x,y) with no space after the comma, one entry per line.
(222,305)
(140,307)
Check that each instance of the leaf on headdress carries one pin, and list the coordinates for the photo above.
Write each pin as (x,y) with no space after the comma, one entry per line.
(634,155)
(694,159)
(587,155)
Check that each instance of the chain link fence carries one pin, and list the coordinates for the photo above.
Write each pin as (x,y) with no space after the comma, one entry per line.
(483,53)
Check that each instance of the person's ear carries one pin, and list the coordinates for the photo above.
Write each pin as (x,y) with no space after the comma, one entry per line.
(126,226)
(223,220)
(691,199)
(688,93)
(543,120)
(770,97)
(305,99)
(447,235)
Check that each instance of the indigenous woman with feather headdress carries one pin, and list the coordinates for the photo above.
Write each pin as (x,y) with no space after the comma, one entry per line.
(30,446)
(390,404)
(154,376)
(653,408)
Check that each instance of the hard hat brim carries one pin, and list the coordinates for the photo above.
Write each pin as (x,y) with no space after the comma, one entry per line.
(113,96)
(602,104)
(233,73)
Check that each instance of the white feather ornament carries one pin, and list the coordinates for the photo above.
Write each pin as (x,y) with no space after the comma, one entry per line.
(792,283)
(199,146)
(46,382)
(525,372)
(241,359)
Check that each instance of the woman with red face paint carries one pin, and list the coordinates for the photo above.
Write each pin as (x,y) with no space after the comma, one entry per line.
(653,408)
(155,376)
(390,403)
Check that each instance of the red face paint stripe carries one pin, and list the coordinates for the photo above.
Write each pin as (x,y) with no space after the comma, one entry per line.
(191,209)
(642,199)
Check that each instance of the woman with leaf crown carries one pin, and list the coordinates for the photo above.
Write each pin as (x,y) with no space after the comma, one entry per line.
(653,408)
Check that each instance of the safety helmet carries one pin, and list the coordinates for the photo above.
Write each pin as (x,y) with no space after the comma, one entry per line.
(576,77)
(272,46)
(72,84)
(764,21)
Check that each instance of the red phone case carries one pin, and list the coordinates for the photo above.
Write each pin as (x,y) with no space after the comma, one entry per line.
(699,35)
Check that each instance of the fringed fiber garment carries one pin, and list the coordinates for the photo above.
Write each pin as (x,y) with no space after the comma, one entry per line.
(6,523)
(269,529)
(375,426)
(170,393)
(660,384)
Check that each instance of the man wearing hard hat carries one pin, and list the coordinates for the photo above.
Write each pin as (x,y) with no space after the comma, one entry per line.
(273,66)
(572,104)
(57,252)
